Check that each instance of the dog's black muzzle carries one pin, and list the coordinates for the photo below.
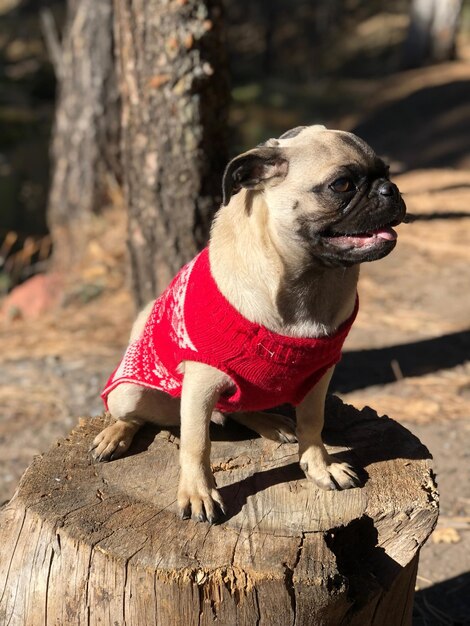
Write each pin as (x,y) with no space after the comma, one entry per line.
(381,205)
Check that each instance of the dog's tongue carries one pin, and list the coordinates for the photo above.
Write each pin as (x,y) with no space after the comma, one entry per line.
(385,233)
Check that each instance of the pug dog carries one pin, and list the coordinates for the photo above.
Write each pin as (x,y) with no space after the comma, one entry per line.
(259,317)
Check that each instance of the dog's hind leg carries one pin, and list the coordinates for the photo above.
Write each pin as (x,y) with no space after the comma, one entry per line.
(269,425)
(131,406)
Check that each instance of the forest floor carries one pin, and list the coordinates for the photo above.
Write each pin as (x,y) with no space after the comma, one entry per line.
(407,355)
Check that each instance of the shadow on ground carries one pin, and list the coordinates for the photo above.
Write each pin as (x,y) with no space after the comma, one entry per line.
(445,603)
(439,215)
(359,369)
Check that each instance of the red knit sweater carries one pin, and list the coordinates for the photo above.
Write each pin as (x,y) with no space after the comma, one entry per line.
(193,321)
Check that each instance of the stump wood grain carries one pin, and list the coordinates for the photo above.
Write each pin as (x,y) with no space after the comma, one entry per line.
(86,543)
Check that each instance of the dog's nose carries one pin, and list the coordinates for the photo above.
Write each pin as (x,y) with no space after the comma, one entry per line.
(387,189)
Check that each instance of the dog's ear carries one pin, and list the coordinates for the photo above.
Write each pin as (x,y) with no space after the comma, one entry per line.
(253,170)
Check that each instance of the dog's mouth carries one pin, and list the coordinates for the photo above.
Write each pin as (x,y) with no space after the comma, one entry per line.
(380,235)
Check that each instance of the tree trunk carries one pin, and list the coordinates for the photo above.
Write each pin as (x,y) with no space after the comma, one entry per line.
(173,80)
(85,148)
(432,32)
(103,544)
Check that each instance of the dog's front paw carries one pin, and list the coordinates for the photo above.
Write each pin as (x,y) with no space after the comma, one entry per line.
(113,442)
(326,473)
(198,496)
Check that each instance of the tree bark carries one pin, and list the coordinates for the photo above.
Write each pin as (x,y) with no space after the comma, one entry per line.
(103,544)
(432,32)
(175,94)
(85,147)
(173,80)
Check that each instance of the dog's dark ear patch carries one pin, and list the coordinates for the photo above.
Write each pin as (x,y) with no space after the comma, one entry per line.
(251,169)
(293,132)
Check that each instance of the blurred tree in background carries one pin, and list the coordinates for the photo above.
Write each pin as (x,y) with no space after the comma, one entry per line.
(148,110)
(174,88)
(433,31)
(85,146)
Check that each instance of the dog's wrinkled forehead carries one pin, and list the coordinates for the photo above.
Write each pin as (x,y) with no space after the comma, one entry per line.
(317,143)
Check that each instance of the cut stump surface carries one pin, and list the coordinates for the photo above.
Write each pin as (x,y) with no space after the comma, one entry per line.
(87,543)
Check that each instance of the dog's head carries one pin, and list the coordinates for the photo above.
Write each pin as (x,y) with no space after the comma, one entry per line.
(326,190)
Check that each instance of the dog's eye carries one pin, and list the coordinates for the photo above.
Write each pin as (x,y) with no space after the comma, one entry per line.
(342,185)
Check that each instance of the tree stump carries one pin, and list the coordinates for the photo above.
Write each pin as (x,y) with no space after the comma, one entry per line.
(86,543)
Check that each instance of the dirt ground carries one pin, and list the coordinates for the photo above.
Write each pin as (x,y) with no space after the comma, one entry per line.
(407,355)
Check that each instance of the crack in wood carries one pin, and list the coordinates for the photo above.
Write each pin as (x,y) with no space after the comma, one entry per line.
(289,577)
(87,583)
(46,595)
(232,557)
(256,599)
(126,565)
(13,555)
